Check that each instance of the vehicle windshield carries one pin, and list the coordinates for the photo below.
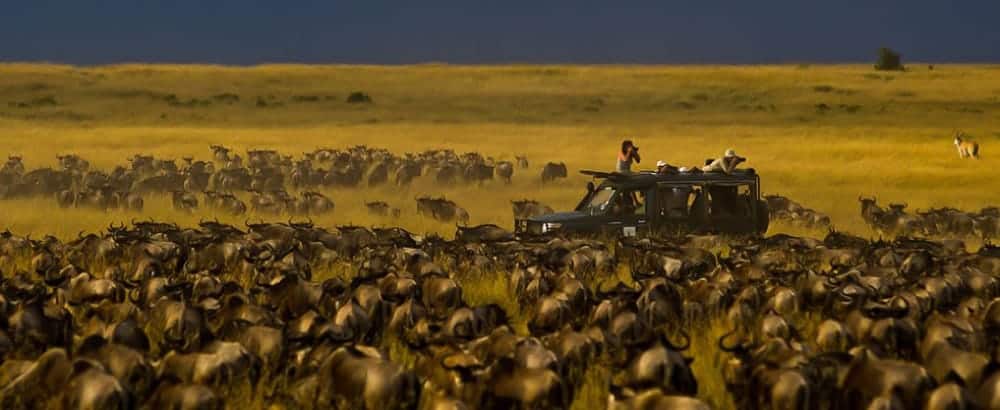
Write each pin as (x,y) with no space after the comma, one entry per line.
(598,201)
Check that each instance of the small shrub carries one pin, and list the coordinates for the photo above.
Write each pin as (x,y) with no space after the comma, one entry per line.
(823,88)
(268,101)
(850,108)
(359,97)
(46,101)
(227,98)
(684,105)
(889,60)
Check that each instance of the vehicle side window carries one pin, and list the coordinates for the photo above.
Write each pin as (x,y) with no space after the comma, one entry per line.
(730,200)
(675,201)
(629,203)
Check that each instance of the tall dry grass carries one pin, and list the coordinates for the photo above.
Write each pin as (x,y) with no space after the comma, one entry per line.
(820,134)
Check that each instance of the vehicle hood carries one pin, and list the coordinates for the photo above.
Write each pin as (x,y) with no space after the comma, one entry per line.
(559,217)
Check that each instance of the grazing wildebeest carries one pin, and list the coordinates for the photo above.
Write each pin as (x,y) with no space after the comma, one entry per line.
(184,201)
(314,203)
(483,233)
(478,172)
(382,208)
(522,161)
(441,209)
(527,208)
(406,173)
(553,171)
(225,202)
(505,170)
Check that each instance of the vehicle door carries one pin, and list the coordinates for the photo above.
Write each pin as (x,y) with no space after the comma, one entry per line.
(672,214)
(628,213)
(731,207)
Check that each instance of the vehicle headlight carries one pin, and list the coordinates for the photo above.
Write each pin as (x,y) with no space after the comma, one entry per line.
(550,226)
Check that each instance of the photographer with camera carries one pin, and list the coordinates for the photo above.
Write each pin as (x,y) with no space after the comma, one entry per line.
(726,164)
(628,154)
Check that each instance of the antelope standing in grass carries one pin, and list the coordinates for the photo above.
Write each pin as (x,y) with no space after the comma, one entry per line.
(966,148)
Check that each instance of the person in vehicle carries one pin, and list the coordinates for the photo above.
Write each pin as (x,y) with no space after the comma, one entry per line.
(699,207)
(726,164)
(663,168)
(628,154)
(627,203)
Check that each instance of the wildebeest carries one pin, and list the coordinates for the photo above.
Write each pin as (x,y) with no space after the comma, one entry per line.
(527,208)
(505,170)
(478,172)
(441,209)
(184,201)
(522,161)
(220,153)
(313,203)
(553,171)
(382,208)
(483,233)
(225,202)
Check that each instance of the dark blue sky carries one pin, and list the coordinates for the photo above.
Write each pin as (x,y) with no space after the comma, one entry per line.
(365,31)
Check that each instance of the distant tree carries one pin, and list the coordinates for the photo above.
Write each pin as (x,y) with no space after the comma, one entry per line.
(889,60)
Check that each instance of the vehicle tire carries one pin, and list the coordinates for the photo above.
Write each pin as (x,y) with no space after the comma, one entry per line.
(763,217)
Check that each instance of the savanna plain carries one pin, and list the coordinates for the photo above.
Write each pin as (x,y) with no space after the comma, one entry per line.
(821,134)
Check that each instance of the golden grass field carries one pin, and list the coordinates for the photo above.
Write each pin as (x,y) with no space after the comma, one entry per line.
(885,134)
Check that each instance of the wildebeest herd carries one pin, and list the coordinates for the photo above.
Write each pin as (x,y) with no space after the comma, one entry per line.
(265,175)
(299,316)
(295,315)
(895,220)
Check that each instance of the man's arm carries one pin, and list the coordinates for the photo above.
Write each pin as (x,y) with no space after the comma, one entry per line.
(728,166)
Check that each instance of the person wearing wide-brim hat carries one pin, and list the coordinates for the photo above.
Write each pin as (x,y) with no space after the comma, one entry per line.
(726,164)
(663,168)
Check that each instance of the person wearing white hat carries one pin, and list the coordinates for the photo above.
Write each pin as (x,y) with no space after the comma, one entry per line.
(726,164)
(663,168)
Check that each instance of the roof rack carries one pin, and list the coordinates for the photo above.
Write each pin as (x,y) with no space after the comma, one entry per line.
(619,175)
(603,174)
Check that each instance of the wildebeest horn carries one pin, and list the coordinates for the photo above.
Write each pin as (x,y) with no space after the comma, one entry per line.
(722,342)
(684,346)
